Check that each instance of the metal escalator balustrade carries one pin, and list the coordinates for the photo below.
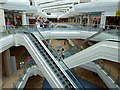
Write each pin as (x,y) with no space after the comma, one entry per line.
(100,36)
(51,62)
(61,76)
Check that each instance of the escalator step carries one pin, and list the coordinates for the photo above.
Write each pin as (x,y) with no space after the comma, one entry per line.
(47,60)
(58,75)
(50,64)
(55,71)
(63,82)
(40,50)
(66,86)
(60,78)
(36,43)
(52,67)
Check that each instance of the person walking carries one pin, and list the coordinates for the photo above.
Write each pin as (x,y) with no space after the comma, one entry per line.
(29,61)
(8,25)
(63,55)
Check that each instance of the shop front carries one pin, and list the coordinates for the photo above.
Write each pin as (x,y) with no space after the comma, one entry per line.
(95,19)
(13,18)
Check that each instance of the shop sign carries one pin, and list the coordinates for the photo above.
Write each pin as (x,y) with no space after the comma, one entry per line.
(117,13)
(96,15)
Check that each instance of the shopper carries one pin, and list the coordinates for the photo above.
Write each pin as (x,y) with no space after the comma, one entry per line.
(41,22)
(8,25)
(63,55)
(37,23)
(29,61)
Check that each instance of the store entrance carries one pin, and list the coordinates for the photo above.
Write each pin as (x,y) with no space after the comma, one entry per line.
(113,20)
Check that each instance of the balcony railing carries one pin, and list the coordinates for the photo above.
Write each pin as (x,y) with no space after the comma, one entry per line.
(59,26)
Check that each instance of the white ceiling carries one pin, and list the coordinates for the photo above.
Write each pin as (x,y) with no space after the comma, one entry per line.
(51,6)
(55,8)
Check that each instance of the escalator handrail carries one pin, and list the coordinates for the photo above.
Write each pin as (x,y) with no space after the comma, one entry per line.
(86,40)
(58,57)
(42,50)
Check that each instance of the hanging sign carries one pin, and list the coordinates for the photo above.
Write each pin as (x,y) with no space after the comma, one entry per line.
(117,13)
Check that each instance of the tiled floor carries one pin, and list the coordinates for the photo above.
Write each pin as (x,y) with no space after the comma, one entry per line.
(9,81)
(76,41)
(59,44)
(89,76)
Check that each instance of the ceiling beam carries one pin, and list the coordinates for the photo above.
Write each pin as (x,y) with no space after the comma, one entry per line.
(68,5)
(57,5)
(56,8)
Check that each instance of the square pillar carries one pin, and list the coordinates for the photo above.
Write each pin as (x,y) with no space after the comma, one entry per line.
(2,18)
(81,19)
(24,18)
(7,62)
(88,18)
(103,20)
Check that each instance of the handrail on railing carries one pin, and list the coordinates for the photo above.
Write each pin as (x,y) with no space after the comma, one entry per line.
(109,73)
(12,29)
(101,26)
(96,37)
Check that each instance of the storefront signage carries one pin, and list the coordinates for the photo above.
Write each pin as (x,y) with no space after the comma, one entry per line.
(95,15)
(117,13)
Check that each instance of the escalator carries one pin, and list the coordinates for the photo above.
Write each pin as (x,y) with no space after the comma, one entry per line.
(105,47)
(65,77)
(60,67)
(96,38)
(83,52)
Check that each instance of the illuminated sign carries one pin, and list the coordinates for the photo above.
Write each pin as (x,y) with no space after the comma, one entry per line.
(117,13)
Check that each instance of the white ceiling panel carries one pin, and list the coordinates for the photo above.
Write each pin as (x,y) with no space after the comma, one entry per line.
(58,3)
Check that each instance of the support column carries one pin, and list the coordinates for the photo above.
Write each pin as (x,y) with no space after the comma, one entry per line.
(103,20)
(15,18)
(76,20)
(14,66)
(27,20)
(2,18)
(80,19)
(24,21)
(7,62)
(88,17)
